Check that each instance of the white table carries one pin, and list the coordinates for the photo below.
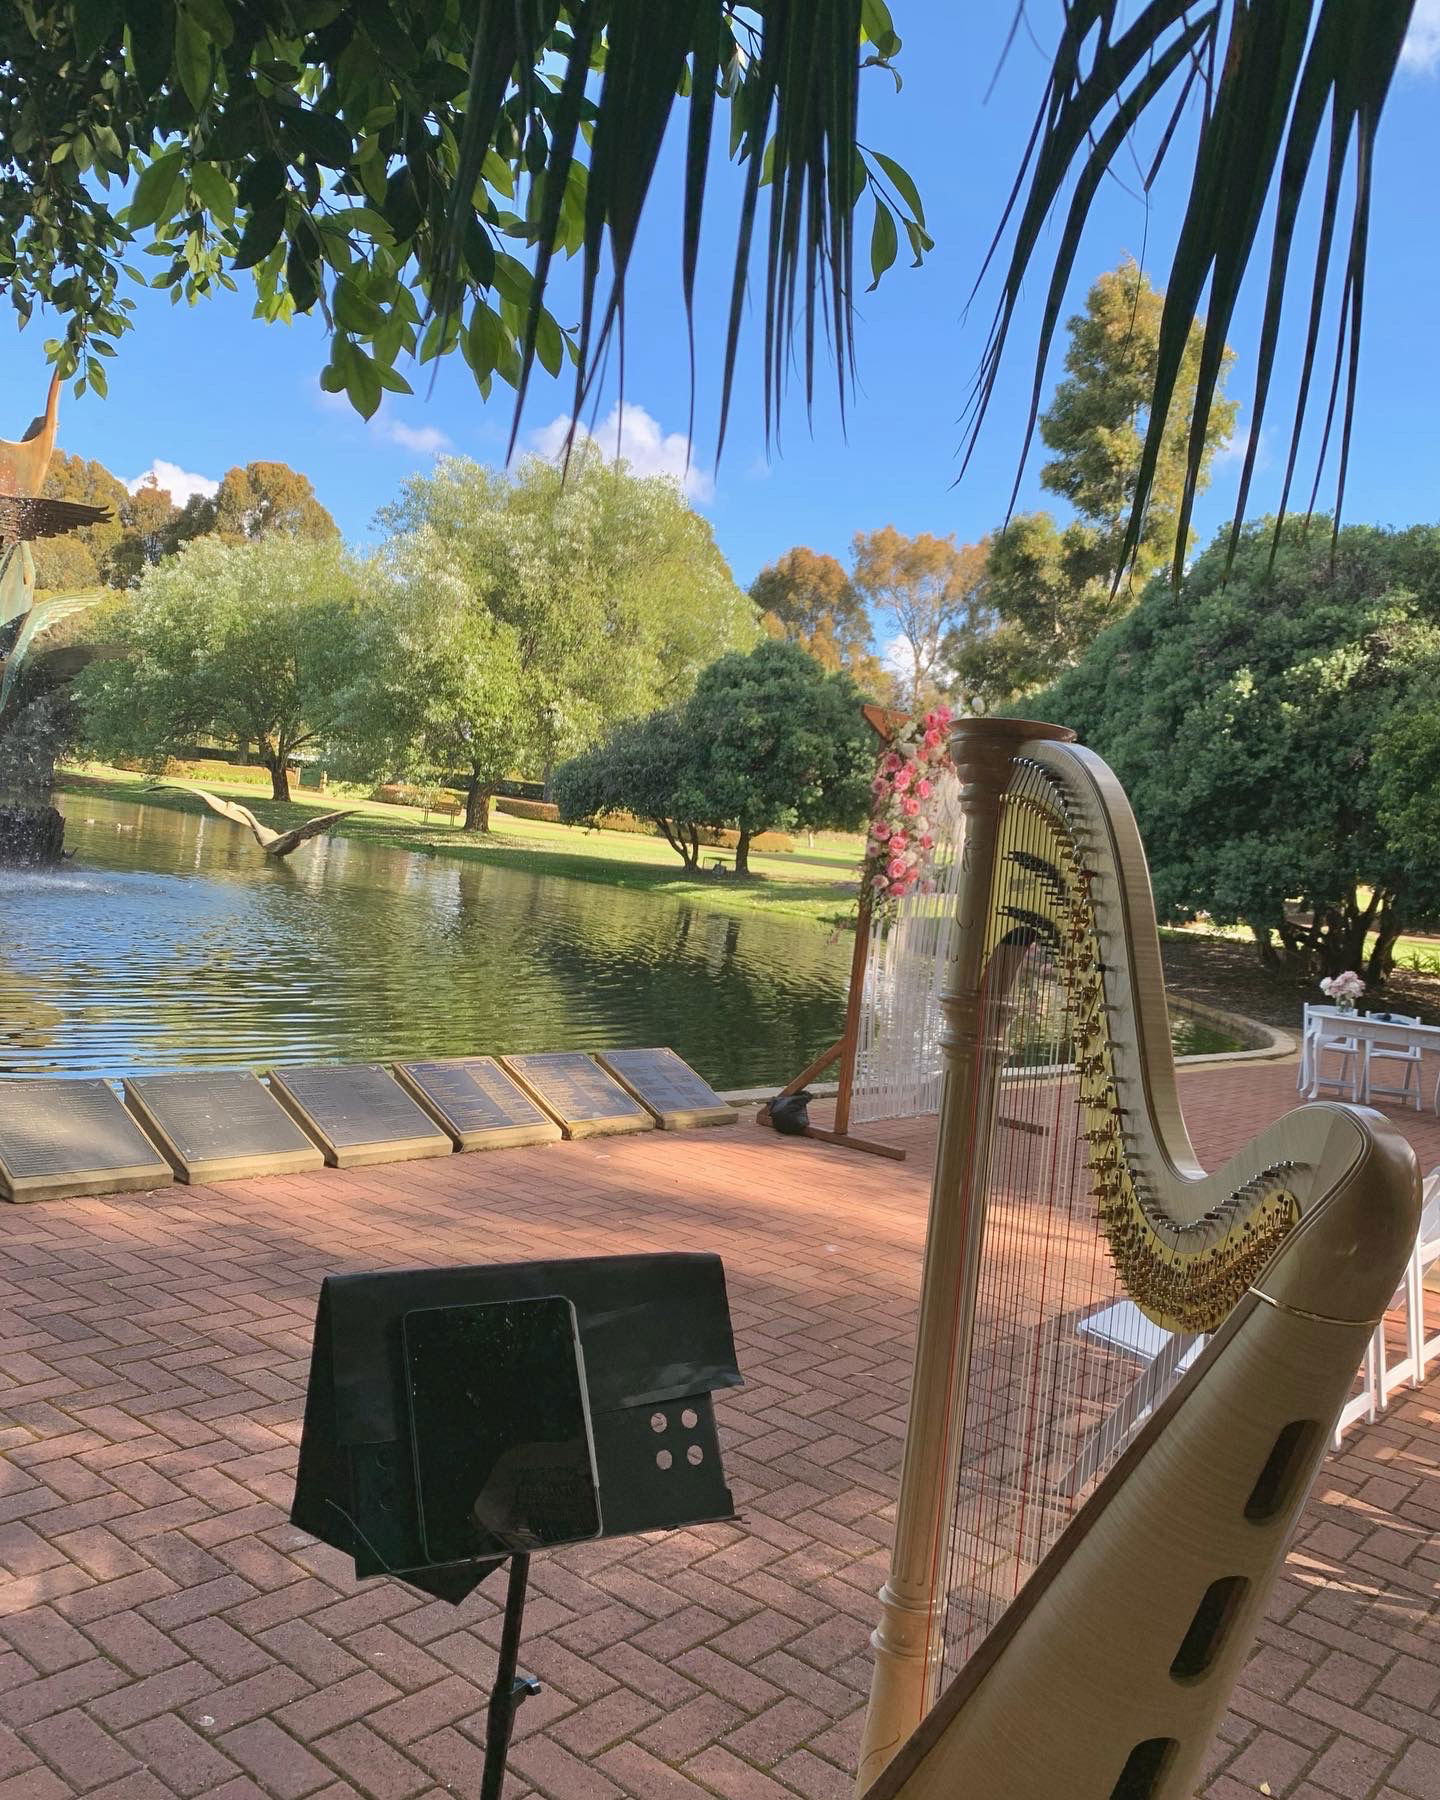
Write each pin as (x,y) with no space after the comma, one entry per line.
(1365,1031)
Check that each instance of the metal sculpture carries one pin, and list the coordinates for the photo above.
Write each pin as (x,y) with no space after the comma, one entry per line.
(275,844)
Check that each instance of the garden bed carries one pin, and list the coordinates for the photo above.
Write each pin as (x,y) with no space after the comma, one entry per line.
(1226,972)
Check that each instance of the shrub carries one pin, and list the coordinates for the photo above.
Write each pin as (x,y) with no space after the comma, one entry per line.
(528,809)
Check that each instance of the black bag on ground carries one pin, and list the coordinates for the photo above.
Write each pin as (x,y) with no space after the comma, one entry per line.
(790,1114)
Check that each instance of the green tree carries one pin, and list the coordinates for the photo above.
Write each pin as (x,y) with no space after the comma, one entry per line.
(85,558)
(233,640)
(808,599)
(933,588)
(1048,609)
(439,688)
(1099,417)
(648,767)
(1257,723)
(778,743)
(1053,589)
(268,499)
(613,586)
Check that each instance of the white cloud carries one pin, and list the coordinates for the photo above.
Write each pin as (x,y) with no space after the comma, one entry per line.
(1232,453)
(898,657)
(425,438)
(639,440)
(179,483)
(1420,52)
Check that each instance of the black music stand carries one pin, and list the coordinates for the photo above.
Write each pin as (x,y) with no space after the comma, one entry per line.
(461,1419)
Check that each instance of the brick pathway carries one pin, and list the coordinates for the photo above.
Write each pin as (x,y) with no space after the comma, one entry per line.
(164,1631)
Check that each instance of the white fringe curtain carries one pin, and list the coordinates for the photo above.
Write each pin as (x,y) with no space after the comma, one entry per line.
(897,1063)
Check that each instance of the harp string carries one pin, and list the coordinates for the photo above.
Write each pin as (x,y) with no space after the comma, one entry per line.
(1033,1385)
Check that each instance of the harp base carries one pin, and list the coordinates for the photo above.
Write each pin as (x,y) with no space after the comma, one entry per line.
(904,1643)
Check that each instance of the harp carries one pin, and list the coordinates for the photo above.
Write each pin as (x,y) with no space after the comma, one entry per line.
(1126,1369)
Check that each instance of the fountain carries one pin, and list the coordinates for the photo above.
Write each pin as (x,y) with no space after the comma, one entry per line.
(35,714)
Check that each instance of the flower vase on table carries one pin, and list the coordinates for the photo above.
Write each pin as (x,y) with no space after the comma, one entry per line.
(1343,990)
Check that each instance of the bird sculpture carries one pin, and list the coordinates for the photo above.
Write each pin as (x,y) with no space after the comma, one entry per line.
(273,843)
(41,616)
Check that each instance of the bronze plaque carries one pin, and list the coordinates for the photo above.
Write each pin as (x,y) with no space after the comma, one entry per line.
(59,1138)
(477,1103)
(358,1113)
(578,1094)
(667,1086)
(217,1125)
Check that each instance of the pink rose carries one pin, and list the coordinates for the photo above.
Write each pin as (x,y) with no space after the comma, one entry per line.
(924,789)
(911,806)
(897,887)
(903,778)
(898,839)
(891,763)
(896,866)
(880,829)
(927,842)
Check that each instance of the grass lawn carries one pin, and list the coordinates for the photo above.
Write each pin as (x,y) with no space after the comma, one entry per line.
(791,885)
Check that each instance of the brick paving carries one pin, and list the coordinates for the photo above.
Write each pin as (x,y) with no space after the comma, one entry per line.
(165,1632)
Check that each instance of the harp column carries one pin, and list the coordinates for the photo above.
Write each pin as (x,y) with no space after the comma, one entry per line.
(907,1641)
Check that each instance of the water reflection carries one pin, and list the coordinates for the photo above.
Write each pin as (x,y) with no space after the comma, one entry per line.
(167,942)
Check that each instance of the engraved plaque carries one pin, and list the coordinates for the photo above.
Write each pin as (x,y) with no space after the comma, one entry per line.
(477,1103)
(667,1086)
(215,1126)
(578,1094)
(358,1113)
(59,1138)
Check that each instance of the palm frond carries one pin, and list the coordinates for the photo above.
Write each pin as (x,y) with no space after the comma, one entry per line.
(1285,63)
(552,80)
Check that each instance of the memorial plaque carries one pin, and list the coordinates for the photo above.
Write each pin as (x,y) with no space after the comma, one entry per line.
(358,1113)
(59,1138)
(578,1094)
(477,1103)
(667,1086)
(215,1126)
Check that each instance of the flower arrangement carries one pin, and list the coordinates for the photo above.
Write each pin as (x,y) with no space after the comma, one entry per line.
(1344,989)
(900,847)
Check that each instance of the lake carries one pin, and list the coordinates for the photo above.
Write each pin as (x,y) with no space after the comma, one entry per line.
(168,943)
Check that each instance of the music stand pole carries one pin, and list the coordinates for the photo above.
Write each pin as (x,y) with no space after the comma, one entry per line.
(509,1689)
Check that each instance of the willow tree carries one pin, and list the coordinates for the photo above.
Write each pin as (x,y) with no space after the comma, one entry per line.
(613,587)
(411,172)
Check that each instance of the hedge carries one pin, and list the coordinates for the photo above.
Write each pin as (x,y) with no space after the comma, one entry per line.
(528,809)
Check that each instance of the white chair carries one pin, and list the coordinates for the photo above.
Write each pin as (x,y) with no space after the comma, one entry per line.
(1379,1376)
(1407,1055)
(1327,1032)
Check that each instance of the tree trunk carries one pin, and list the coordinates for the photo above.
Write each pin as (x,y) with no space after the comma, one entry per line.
(477,805)
(32,837)
(279,777)
(1265,944)
(682,840)
(742,852)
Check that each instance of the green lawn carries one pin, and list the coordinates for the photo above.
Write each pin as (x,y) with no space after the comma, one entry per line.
(782,885)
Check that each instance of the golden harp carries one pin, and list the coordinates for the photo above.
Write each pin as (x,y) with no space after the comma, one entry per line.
(1086,1532)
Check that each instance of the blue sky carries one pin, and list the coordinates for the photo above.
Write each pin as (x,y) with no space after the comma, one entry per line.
(205,388)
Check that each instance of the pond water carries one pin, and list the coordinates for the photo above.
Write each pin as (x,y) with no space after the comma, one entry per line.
(167,943)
